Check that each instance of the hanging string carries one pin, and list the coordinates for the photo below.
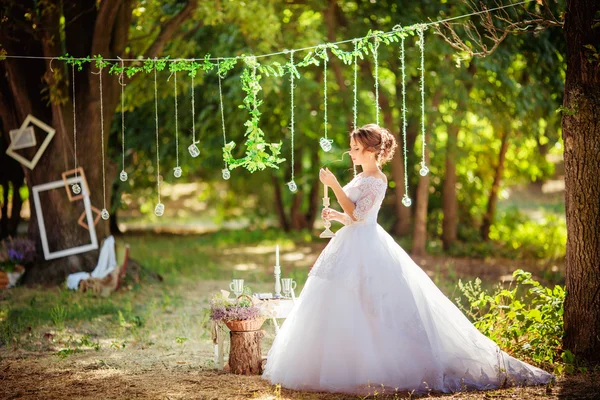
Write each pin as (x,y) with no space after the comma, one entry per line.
(424,170)
(355,108)
(325,142)
(75,188)
(177,169)
(405,199)
(225,172)
(105,214)
(123,174)
(376,59)
(310,47)
(74,120)
(193,149)
(159,209)
(325,93)
(291,184)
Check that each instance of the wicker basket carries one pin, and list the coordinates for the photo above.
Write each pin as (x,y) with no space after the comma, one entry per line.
(247,325)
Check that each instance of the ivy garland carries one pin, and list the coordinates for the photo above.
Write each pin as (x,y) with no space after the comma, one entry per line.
(259,154)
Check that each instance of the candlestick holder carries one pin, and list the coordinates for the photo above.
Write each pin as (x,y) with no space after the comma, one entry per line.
(327,233)
(277,274)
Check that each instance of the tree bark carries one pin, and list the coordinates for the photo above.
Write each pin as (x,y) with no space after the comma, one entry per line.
(449,201)
(488,218)
(279,206)
(420,229)
(245,355)
(89,30)
(581,133)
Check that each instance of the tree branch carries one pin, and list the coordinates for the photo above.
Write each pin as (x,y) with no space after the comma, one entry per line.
(167,31)
(104,26)
(496,28)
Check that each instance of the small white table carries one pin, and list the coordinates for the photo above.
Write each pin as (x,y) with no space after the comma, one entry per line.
(282,310)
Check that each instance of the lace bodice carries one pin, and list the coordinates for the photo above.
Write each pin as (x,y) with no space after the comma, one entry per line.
(367,193)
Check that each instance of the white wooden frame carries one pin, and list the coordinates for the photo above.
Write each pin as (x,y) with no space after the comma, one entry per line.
(18,134)
(33,162)
(40,217)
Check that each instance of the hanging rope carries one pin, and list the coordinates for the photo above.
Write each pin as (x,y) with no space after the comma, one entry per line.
(376,59)
(424,170)
(105,214)
(291,184)
(159,209)
(405,199)
(225,172)
(74,119)
(177,170)
(193,149)
(355,107)
(123,174)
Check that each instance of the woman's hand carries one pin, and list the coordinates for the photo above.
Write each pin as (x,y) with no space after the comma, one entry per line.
(327,177)
(329,214)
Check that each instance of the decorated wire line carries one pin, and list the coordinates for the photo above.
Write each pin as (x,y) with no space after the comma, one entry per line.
(325,143)
(291,184)
(193,149)
(406,201)
(104,213)
(355,90)
(225,171)
(123,175)
(76,188)
(424,170)
(376,62)
(160,207)
(177,170)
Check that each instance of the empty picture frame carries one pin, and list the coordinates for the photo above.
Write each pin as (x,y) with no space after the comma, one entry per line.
(65,176)
(50,134)
(48,255)
(81,220)
(22,138)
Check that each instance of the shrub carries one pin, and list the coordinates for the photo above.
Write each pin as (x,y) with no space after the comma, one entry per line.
(525,320)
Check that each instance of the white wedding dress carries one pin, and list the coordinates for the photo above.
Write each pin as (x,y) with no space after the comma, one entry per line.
(369,316)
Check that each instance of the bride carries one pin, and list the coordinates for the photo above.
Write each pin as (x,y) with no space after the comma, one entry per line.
(368,316)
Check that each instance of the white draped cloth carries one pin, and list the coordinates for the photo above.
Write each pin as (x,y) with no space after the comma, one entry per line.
(107,262)
(369,316)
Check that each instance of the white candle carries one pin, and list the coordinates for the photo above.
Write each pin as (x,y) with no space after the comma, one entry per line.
(326,191)
(277,255)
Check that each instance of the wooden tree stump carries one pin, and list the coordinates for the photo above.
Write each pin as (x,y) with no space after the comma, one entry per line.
(245,355)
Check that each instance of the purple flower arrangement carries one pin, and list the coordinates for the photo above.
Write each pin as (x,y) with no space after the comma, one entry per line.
(19,251)
(222,308)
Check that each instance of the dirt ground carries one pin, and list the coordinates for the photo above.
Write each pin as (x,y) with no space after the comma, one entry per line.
(172,358)
(139,375)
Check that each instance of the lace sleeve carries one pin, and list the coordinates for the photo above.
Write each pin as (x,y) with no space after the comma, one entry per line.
(370,191)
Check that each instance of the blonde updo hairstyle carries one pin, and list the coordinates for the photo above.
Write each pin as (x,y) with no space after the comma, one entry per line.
(377,140)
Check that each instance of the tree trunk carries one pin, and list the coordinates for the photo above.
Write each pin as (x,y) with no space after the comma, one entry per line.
(488,218)
(449,201)
(420,228)
(402,225)
(33,84)
(279,206)
(245,355)
(581,133)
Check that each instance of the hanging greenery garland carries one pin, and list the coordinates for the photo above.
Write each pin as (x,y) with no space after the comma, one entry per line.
(259,153)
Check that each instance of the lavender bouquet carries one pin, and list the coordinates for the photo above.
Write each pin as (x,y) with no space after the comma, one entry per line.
(224,308)
(14,252)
